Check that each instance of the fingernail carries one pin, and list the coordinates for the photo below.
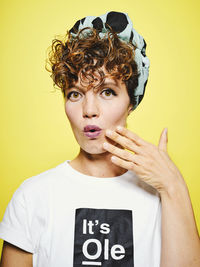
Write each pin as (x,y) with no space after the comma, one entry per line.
(119,128)
(113,158)
(105,145)
(108,132)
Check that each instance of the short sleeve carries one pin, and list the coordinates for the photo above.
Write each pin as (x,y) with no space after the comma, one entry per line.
(15,227)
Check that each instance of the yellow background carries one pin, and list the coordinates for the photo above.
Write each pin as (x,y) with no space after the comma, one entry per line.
(35,134)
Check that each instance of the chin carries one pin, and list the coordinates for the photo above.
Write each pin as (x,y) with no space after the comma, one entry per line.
(93,149)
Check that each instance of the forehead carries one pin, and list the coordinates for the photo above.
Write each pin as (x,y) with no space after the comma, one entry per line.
(94,80)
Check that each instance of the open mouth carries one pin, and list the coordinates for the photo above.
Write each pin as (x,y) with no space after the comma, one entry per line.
(92,133)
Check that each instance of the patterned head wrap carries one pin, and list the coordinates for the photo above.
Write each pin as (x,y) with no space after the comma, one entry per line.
(122,25)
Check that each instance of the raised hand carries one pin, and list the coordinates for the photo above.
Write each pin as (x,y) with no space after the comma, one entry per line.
(151,163)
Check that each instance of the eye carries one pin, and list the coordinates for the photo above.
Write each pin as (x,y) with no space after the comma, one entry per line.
(108,92)
(75,93)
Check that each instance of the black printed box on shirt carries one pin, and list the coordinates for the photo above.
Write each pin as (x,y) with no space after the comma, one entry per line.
(103,237)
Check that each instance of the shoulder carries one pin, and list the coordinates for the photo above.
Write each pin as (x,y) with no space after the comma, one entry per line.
(43,182)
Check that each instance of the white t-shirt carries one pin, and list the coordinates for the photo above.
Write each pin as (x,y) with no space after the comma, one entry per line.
(66,218)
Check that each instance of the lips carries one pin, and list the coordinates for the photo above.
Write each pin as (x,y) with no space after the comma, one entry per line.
(92,131)
(91,128)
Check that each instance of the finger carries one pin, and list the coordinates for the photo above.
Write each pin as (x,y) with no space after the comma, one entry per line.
(129,134)
(123,141)
(125,164)
(162,145)
(126,155)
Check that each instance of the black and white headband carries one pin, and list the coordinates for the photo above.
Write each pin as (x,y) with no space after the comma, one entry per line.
(123,26)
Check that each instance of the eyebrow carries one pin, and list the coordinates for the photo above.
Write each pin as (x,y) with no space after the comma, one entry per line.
(97,88)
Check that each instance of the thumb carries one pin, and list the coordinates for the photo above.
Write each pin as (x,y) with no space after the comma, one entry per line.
(163,140)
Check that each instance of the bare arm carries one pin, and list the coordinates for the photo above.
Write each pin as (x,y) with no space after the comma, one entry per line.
(153,165)
(180,238)
(13,256)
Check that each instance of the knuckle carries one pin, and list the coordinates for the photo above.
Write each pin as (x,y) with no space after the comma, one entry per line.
(147,145)
(128,143)
(153,147)
(124,154)
(148,161)
(112,149)
(133,159)
(137,139)
(132,166)
(114,137)
(125,131)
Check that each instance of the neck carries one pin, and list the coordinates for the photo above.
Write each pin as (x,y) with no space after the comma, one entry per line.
(98,165)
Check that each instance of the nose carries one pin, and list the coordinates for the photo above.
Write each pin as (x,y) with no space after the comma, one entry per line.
(90,105)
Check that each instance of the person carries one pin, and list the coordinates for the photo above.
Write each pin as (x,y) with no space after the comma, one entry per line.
(121,201)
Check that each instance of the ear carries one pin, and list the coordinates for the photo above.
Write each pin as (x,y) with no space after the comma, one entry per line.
(130,109)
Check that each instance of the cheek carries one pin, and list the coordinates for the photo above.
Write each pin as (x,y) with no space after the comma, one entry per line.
(72,113)
(117,114)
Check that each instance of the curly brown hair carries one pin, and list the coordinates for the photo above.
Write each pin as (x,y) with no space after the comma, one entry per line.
(85,53)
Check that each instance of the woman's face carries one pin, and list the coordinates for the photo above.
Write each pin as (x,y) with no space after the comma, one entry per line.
(106,108)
